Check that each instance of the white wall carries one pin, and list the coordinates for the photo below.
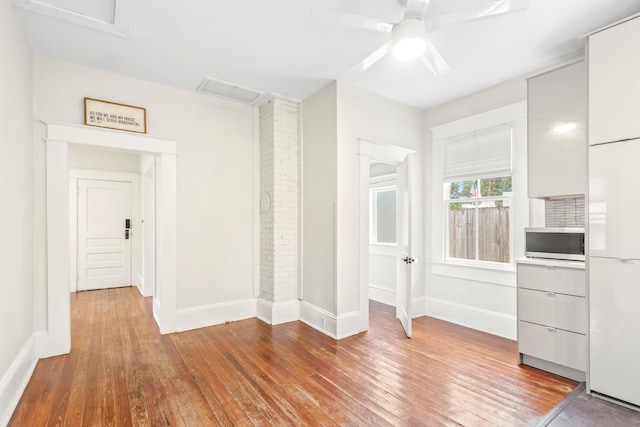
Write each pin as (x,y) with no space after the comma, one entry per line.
(319,183)
(94,158)
(383,273)
(363,115)
(475,297)
(17,351)
(215,177)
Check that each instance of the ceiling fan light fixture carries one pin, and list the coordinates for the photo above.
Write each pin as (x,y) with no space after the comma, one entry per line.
(409,48)
(409,39)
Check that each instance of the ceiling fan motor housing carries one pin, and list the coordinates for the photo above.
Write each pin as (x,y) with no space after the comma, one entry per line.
(409,39)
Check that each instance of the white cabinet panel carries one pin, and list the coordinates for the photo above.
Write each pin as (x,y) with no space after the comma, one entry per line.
(614,176)
(614,86)
(614,311)
(570,281)
(551,309)
(556,159)
(555,345)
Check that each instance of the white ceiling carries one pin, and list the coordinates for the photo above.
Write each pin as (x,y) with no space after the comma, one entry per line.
(272,46)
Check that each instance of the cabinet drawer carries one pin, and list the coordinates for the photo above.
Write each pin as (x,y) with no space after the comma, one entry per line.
(552,309)
(555,345)
(570,281)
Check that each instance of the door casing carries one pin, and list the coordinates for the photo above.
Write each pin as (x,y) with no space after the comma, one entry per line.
(56,339)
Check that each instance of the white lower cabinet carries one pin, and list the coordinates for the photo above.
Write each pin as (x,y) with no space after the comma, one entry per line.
(554,345)
(552,317)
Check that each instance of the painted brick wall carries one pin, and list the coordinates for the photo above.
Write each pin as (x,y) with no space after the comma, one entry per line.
(279,200)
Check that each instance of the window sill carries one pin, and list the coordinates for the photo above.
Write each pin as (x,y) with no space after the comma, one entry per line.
(503,276)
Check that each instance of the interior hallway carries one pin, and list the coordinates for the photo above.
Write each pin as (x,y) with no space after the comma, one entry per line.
(121,371)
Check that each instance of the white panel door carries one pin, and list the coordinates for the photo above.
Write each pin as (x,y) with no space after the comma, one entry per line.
(403,238)
(104,252)
(614,174)
(614,327)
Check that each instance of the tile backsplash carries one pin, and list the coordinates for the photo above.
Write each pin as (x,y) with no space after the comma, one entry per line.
(564,213)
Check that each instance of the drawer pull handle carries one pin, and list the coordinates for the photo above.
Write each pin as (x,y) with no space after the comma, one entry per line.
(551,294)
(552,330)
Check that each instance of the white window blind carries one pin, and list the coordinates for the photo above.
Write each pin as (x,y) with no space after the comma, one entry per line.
(477,154)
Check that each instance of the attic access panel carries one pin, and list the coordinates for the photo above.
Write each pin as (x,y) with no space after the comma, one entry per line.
(103,10)
(110,16)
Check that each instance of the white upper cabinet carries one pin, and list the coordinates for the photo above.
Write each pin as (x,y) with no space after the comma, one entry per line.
(614,174)
(614,83)
(557,111)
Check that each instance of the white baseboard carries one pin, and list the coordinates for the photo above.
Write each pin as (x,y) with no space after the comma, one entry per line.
(419,307)
(348,324)
(215,314)
(275,313)
(492,322)
(15,380)
(383,295)
(318,319)
(336,327)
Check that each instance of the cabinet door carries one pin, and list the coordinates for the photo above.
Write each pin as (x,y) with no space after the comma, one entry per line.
(614,180)
(614,312)
(555,310)
(555,345)
(556,156)
(549,278)
(614,86)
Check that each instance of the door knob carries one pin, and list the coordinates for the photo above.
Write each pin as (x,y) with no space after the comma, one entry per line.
(408,260)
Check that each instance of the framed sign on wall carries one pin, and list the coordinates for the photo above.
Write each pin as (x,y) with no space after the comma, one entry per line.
(112,115)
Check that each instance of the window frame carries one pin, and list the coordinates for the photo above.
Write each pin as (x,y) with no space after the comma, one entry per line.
(447,201)
(374,189)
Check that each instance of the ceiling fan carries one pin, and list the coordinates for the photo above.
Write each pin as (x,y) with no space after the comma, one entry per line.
(409,38)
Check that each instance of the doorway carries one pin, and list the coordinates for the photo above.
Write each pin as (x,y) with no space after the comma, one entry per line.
(57,339)
(382,233)
(400,159)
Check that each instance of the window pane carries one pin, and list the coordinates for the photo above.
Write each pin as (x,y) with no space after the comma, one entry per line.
(464,189)
(386,216)
(462,225)
(493,232)
(495,186)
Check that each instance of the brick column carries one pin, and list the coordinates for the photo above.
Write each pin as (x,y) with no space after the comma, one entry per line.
(279,232)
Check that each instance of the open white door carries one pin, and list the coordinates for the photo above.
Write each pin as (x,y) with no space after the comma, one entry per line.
(403,236)
(104,243)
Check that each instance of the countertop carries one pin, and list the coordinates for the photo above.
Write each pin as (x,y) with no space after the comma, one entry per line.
(551,262)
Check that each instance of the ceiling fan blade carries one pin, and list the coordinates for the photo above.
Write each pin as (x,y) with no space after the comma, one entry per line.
(434,61)
(371,59)
(496,7)
(342,19)
(375,56)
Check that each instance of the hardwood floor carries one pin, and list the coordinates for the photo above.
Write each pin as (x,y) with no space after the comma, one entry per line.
(122,372)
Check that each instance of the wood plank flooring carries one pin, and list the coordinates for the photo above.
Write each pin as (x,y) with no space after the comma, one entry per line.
(122,372)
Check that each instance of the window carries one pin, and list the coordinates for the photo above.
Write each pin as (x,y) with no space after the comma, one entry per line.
(477,196)
(383,215)
(478,219)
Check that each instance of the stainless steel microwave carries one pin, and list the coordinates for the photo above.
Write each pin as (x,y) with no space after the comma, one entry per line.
(555,243)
